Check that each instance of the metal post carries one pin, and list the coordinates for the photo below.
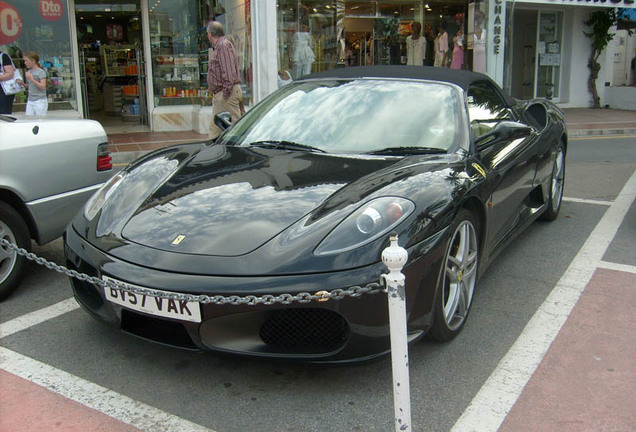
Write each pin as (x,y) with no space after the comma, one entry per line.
(394,257)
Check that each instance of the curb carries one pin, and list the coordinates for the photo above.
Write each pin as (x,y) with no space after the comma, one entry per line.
(600,132)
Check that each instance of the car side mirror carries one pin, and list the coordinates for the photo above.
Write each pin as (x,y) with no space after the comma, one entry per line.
(223,120)
(503,131)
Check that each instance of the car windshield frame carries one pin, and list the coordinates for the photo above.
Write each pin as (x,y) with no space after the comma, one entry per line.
(356,116)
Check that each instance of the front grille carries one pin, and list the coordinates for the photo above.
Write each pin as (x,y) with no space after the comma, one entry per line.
(162,331)
(315,330)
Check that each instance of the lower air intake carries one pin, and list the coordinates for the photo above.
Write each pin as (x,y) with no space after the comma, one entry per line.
(316,330)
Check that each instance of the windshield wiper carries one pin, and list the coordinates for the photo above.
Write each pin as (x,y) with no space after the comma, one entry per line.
(286,145)
(407,150)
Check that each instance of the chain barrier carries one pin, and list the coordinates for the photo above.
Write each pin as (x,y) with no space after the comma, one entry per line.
(250,300)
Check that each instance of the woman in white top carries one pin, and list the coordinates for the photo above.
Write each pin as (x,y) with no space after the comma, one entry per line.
(415,46)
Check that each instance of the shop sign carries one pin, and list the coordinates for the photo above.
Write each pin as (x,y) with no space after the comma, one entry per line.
(10,23)
(497,25)
(51,10)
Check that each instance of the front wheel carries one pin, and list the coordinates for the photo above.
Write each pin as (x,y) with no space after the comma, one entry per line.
(12,266)
(457,283)
(557,180)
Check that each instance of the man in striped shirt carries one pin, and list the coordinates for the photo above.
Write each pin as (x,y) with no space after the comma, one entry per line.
(223,76)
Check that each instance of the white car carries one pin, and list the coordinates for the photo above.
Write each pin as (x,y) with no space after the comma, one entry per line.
(48,169)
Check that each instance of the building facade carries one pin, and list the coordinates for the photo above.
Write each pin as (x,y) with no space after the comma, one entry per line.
(145,61)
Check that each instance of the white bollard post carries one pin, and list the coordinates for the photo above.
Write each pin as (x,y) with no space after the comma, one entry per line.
(394,257)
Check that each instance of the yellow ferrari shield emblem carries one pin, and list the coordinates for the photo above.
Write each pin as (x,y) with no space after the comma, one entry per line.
(178,240)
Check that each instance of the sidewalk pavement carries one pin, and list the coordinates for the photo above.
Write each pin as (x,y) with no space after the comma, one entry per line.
(126,147)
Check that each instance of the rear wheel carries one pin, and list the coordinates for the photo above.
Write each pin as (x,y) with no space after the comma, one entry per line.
(12,266)
(557,180)
(457,284)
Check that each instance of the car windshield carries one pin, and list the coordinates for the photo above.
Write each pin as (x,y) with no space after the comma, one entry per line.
(392,117)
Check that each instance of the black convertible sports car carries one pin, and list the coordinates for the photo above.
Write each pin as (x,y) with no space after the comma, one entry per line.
(300,195)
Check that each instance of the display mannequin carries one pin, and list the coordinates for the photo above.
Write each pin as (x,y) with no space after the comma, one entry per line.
(479,46)
(302,54)
(415,46)
(429,58)
(458,43)
(441,44)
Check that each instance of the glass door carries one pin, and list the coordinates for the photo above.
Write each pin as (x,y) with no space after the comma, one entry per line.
(548,72)
(524,54)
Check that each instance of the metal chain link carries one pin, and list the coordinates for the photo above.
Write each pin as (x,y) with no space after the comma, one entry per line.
(250,300)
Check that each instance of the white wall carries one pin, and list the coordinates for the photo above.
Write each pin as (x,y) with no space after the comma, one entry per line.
(622,50)
(578,53)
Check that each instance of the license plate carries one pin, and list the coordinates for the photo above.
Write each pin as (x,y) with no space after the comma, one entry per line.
(146,303)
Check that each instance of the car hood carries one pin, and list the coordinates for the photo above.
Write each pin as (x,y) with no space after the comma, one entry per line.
(264,204)
(233,202)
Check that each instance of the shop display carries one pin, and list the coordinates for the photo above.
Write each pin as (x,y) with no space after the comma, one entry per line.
(177,76)
(121,86)
(119,60)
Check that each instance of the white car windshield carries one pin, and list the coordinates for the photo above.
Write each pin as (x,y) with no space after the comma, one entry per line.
(354,116)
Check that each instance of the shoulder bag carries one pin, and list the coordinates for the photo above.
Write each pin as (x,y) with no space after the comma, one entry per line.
(11,86)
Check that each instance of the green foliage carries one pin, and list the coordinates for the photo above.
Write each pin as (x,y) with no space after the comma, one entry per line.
(600,22)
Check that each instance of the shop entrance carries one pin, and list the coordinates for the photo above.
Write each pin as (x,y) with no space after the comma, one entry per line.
(536,63)
(111,58)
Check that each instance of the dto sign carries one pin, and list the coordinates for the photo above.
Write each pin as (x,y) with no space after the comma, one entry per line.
(51,10)
(10,23)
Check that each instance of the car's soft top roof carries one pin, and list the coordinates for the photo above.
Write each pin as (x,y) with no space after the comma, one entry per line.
(462,78)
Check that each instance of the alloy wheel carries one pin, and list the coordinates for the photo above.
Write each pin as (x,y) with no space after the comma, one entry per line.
(460,275)
(558,179)
(8,258)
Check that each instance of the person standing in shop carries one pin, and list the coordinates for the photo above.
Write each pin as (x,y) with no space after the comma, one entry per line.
(223,77)
(415,46)
(6,73)
(35,82)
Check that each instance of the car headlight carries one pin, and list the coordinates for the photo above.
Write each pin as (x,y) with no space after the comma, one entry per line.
(96,202)
(367,223)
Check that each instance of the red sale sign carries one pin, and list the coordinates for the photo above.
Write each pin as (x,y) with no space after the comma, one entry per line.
(51,10)
(10,23)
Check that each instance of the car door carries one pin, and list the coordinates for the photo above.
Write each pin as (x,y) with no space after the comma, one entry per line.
(509,163)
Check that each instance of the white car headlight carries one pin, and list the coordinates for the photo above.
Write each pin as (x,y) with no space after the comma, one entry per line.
(367,223)
(96,202)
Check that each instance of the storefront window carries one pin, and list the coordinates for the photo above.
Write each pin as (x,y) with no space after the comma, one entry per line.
(42,27)
(175,40)
(180,47)
(320,35)
(476,41)
(307,36)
